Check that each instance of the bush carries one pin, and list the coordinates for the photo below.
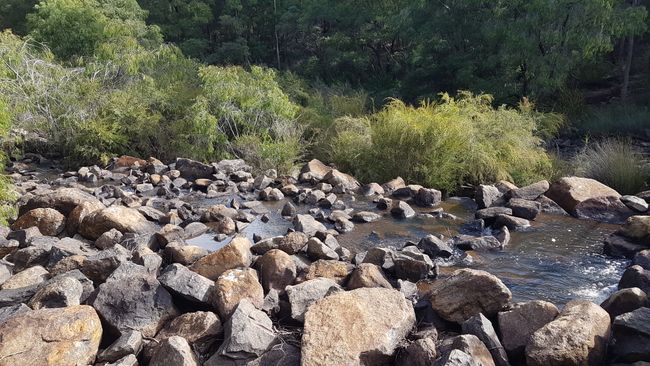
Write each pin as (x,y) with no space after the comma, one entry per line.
(7,194)
(443,144)
(614,120)
(616,163)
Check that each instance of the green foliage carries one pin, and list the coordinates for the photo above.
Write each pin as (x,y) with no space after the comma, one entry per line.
(613,120)
(443,144)
(264,152)
(616,163)
(7,194)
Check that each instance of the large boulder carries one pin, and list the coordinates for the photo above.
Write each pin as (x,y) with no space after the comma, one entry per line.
(624,301)
(586,198)
(139,303)
(63,200)
(337,178)
(277,270)
(314,171)
(191,169)
(519,323)
(235,254)
(362,326)
(303,295)
(467,292)
(48,221)
(308,225)
(79,213)
(123,219)
(65,336)
(235,285)
(248,333)
(577,337)
(636,228)
(631,332)
(467,344)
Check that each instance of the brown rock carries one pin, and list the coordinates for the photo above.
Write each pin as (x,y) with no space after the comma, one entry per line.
(314,171)
(233,255)
(48,220)
(123,219)
(518,324)
(334,270)
(636,228)
(79,213)
(368,275)
(63,200)
(233,286)
(277,270)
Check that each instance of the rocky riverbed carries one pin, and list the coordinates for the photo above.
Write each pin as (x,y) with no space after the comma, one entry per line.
(146,263)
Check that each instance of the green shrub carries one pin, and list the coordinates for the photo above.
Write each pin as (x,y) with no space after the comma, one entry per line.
(443,144)
(264,152)
(614,120)
(7,195)
(616,163)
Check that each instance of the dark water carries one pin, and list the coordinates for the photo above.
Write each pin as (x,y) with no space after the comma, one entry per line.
(557,260)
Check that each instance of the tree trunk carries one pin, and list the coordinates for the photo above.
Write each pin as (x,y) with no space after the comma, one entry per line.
(628,62)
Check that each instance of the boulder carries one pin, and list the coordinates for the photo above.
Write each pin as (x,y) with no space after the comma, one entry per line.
(8,312)
(277,270)
(48,220)
(123,219)
(362,326)
(29,277)
(487,195)
(624,301)
(524,208)
(435,247)
(187,284)
(293,242)
(229,166)
(467,344)
(642,259)
(192,170)
(631,332)
(421,352)
(530,192)
(586,198)
(512,223)
(480,326)
(635,276)
(218,213)
(63,200)
(129,342)
(491,213)
(368,275)
(635,203)
(61,292)
(618,246)
(334,270)
(578,336)
(402,210)
(303,295)
(467,292)
(316,250)
(636,228)
(427,197)
(233,286)
(248,333)
(235,254)
(64,336)
(100,266)
(314,171)
(308,225)
(518,324)
(365,216)
(108,239)
(141,303)
(174,351)
(467,242)
(345,181)
(199,328)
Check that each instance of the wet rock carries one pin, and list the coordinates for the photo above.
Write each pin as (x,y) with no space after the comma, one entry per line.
(426,197)
(512,223)
(467,292)
(384,203)
(129,342)
(288,210)
(29,277)
(59,293)
(141,303)
(199,328)
(402,210)
(189,285)
(271,194)
(277,270)
(481,327)
(316,250)
(235,285)
(303,295)
(362,326)
(503,236)
(518,324)
(108,239)
(530,192)
(334,270)
(624,301)
(408,191)
(368,275)
(642,259)
(635,276)
(191,169)
(550,207)
(435,247)
(468,345)
(233,255)
(63,200)
(578,336)
(313,171)
(524,208)
(618,246)
(636,228)
(635,203)
(308,225)
(174,351)
(492,212)
(248,333)
(466,242)
(314,196)
(218,213)
(65,336)
(123,219)
(365,216)
(631,332)
(589,199)
(487,195)
(48,220)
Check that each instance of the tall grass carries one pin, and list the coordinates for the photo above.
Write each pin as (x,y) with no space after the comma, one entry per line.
(616,163)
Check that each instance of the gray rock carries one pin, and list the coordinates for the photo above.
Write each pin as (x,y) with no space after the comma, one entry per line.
(524,208)
(457,357)
(180,281)
(642,259)
(624,301)
(492,212)
(316,250)
(59,293)
(191,169)
(174,351)
(618,246)
(481,327)
(29,277)
(421,352)
(512,223)
(308,225)
(129,360)
(466,242)
(635,203)
(303,295)
(108,239)
(530,192)
(402,210)
(468,344)
(99,266)
(16,296)
(200,328)
(129,342)
(288,210)
(194,229)
(435,247)
(631,332)
(487,195)
(9,311)
(635,276)
(365,216)
(411,264)
(248,332)
(519,323)
(426,197)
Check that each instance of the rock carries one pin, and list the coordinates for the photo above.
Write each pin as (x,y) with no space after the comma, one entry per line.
(578,336)
(503,236)
(189,285)
(283,354)
(530,192)
(271,194)
(427,197)
(9,246)
(481,327)
(63,200)
(518,324)
(108,239)
(233,255)
(367,275)
(635,276)
(12,297)
(129,342)
(313,171)
(199,328)
(524,208)
(303,295)
(486,196)
(176,252)
(316,250)
(288,210)
(393,185)
(402,210)
(65,336)
(174,351)
(194,229)
(631,332)
(334,270)
(192,170)
(372,189)
(25,236)
(346,181)
(550,207)
(512,223)
(140,303)
(235,285)
(365,216)
(10,311)
(435,247)
(99,266)
(362,326)
(624,301)
(129,360)
(421,352)
(636,228)
(618,246)
(384,203)
(308,225)
(29,277)
(467,292)
(642,259)
(408,191)
(218,213)
(411,264)
(277,270)
(586,198)
(123,219)
(228,166)
(492,212)
(48,220)
(468,345)
(59,293)
(466,242)
(635,203)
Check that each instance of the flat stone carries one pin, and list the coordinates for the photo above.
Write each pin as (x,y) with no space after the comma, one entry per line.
(180,281)
(530,192)
(524,208)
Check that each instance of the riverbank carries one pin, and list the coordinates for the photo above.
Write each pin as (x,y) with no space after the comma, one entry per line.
(191,263)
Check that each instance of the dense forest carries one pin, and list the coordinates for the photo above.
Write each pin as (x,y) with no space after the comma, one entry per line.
(441,92)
